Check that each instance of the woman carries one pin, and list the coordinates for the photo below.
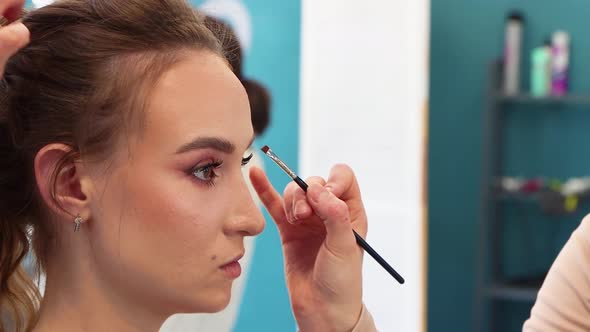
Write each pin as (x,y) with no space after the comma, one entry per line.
(563,300)
(122,136)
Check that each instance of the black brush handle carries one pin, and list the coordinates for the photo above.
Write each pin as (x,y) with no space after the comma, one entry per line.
(301,183)
(361,242)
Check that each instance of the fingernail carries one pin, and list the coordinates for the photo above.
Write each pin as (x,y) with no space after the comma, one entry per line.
(318,193)
(300,209)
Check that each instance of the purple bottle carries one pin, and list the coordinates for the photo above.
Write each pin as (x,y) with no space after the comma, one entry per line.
(560,63)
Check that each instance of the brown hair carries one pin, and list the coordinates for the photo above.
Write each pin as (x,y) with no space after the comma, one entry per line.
(259,105)
(82,81)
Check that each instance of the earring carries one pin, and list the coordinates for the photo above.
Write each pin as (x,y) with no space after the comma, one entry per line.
(77,222)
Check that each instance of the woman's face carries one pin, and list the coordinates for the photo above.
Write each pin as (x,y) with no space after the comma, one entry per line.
(175,208)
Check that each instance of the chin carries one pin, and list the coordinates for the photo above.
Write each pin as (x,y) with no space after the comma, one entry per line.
(213,307)
(211,302)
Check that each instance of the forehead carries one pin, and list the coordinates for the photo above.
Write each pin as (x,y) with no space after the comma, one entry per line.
(199,96)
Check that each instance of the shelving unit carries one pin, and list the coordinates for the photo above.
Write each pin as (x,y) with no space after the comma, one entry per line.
(492,286)
(513,291)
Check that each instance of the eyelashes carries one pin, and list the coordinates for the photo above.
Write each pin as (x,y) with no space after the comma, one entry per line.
(208,173)
(246,160)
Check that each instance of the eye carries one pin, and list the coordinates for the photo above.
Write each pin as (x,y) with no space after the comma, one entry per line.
(206,174)
(246,160)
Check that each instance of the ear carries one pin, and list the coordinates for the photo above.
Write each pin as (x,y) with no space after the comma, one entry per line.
(61,182)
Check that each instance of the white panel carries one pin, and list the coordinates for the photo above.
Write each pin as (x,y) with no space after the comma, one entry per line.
(363,93)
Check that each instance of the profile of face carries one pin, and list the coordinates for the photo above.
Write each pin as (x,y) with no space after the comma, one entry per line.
(174,208)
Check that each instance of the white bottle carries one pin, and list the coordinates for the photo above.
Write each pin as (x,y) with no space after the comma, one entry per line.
(512,53)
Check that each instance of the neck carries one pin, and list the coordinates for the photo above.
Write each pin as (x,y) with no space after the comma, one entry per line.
(76,299)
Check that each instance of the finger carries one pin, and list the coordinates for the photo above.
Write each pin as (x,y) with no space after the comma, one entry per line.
(269,197)
(296,205)
(340,239)
(12,38)
(11,9)
(291,190)
(342,182)
(301,208)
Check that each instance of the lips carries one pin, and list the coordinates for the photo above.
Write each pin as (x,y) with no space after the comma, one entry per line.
(232,269)
(234,260)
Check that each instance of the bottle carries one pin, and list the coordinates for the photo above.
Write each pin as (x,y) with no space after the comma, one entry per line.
(541,70)
(512,53)
(560,63)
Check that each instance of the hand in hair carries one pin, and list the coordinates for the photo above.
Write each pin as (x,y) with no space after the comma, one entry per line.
(13,36)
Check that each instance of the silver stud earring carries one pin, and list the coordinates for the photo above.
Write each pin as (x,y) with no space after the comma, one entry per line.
(77,222)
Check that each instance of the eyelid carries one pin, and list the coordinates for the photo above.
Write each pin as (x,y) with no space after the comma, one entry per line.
(215,164)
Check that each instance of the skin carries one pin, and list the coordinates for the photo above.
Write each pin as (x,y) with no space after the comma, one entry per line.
(163,217)
(13,36)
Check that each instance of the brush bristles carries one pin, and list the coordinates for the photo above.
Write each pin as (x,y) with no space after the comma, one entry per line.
(265,149)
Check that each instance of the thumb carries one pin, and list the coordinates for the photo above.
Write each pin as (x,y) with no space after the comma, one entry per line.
(340,239)
(12,38)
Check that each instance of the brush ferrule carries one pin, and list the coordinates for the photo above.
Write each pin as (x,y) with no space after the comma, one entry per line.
(281,164)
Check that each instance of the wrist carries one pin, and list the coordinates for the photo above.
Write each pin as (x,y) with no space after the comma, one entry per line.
(329,320)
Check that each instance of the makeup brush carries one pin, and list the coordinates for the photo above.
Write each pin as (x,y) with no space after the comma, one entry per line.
(359,240)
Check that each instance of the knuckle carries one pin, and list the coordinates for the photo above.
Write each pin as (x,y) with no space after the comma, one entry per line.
(343,168)
(337,209)
(315,180)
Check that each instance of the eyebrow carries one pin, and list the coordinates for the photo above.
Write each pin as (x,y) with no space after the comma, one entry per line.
(215,143)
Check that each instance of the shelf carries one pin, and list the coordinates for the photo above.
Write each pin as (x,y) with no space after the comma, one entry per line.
(517,197)
(515,291)
(551,203)
(549,100)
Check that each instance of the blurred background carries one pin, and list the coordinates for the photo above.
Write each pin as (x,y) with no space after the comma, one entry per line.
(507,168)
(465,122)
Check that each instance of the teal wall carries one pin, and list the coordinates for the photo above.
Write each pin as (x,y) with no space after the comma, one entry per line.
(465,36)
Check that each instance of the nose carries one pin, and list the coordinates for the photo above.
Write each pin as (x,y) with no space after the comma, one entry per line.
(247,218)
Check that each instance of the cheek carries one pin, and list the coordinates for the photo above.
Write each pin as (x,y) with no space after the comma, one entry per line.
(169,231)
(180,218)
